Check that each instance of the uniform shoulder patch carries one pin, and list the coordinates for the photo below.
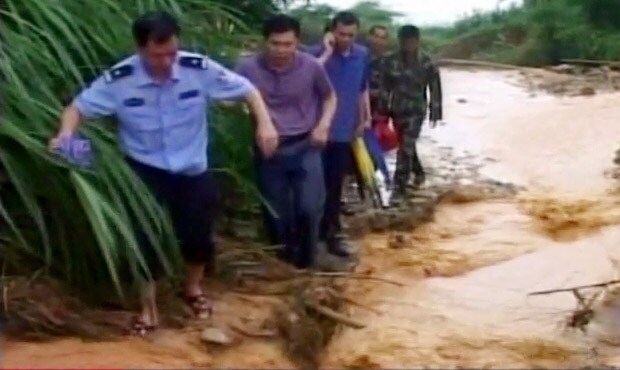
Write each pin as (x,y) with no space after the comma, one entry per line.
(196,62)
(117,73)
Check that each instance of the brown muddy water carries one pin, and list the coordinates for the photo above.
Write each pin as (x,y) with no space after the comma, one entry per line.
(466,276)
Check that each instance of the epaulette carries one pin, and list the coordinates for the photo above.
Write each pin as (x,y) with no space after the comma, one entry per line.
(117,73)
(196,62)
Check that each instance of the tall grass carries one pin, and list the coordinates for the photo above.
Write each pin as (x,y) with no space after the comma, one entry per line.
(79,224)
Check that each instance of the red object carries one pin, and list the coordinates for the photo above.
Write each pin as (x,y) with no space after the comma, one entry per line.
(387,136)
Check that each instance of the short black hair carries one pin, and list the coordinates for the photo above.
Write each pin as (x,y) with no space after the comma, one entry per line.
(328,27)
(408,32)
(345,18)
(376,27)
(280,23)
(156,26)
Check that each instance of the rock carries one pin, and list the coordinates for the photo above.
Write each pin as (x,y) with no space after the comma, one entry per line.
(559,89)
(563,68)
(329,263)
(421,202)
(423,195)
(358,225)
(400,220)
(380,222)
(399,241)
(216,336)
(245,230)
(587,91)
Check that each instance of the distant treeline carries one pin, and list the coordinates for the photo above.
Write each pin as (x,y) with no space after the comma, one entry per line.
(539,32)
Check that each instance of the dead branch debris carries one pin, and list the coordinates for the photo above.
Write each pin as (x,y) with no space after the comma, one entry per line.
(312,308)
(309,319)
(583,314)
(572,289)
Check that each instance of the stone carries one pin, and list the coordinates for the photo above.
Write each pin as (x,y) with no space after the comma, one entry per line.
(563,68)
(245,230)
(329,263)
(358,225)
(399,241)
(401,220)
(587,91)
(380,222)
(216,336)
(423,194)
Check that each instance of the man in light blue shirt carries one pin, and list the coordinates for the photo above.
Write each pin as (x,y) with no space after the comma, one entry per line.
(159,96)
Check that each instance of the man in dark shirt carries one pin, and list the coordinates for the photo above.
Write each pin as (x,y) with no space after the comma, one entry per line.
(346,63)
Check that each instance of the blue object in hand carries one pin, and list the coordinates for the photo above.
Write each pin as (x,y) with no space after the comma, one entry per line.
(77,150)
(376,153)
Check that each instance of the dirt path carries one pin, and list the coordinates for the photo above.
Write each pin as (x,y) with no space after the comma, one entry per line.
(466,275)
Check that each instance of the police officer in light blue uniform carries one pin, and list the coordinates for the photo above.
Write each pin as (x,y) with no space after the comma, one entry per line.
(159,96)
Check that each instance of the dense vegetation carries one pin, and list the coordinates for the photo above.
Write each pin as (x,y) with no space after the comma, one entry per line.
(77,224)
(540,32)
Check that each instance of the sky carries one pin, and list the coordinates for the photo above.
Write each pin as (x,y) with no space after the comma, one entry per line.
(430,12)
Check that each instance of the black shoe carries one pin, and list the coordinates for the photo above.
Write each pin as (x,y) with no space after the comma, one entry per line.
(285,255)
(337,247)
(420,179)
(398,197)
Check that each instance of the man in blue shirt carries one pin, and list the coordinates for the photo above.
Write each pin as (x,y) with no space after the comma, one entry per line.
(346,64)
(159,96)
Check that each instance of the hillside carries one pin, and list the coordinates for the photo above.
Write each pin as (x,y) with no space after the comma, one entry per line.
(537,33)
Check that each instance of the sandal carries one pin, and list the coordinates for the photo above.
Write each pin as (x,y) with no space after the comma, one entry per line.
(200,304)
(139,328)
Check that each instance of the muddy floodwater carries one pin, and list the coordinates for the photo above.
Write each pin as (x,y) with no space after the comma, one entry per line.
(483,257)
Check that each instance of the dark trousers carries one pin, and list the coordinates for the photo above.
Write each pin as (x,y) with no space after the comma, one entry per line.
(408,160)
(337,162)
(292,183)
(191,201)
(353,170)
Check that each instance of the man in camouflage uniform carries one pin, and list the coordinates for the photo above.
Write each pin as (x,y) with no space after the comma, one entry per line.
(403,77)
(378,43)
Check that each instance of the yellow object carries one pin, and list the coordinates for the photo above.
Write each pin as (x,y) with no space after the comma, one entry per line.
(364,162)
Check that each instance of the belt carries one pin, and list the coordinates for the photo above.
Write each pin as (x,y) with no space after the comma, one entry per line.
(292,139)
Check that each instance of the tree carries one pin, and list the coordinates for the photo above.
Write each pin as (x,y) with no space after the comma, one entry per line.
(372,13)
(314,17)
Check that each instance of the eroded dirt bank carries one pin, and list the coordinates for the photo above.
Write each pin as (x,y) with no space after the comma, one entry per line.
(462,298)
